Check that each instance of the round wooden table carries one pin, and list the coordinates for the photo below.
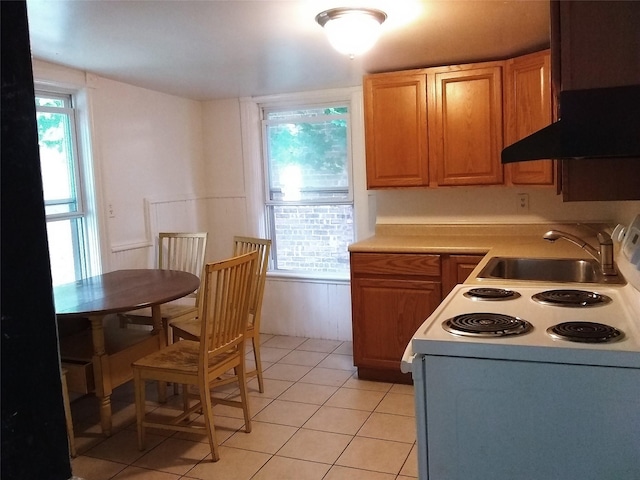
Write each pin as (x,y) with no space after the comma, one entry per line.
(117,292)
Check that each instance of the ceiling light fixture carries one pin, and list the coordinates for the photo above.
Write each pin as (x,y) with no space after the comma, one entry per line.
(352,31)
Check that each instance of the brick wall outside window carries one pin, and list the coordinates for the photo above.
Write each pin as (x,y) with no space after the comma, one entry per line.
(313,237)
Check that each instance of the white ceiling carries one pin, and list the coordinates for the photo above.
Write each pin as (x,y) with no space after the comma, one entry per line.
(210,49)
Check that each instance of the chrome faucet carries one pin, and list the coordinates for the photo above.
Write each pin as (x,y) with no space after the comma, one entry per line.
(604,255)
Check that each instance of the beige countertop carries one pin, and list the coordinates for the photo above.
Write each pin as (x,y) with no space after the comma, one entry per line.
(491,240)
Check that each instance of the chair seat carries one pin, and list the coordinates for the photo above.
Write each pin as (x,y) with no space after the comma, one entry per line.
(168,311)
(190,329)
(171,310)
(182,357)
(187,329)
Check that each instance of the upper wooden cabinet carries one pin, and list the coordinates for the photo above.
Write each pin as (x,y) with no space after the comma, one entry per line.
(396,126)
(465,124)
(444,126)
(527,108)
(593,45)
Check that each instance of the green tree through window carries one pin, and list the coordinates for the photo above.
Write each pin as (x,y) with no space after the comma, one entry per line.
(311,144)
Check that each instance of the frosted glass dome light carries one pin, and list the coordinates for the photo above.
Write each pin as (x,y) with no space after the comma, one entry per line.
(352,31)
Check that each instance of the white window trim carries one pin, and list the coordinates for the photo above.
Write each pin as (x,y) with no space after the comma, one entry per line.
(251,122)
(51,78)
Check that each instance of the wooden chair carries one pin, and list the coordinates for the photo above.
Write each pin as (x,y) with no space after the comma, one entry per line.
(190,329)
(67,413)
(176,251)
(224,303)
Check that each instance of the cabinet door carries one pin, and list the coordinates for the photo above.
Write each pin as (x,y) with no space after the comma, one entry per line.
(456,269)
(396,130)
(465,124)
(596,44)
(386,314)
(528,109)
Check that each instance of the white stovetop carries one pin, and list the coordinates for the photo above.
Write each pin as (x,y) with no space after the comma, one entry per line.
(536,345)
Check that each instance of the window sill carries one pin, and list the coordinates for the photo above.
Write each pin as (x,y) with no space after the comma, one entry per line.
(309,277)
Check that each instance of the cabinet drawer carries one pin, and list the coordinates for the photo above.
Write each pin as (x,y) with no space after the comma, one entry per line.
(79,376)
(395,264)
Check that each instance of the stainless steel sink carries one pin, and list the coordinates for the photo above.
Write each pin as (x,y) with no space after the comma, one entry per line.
(548,270)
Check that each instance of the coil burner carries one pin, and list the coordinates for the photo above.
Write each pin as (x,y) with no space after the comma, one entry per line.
(571,298)
(486,325)
(585,332)
(491,294)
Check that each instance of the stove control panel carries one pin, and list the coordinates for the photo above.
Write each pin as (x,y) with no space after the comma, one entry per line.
(631,243)
(628,258)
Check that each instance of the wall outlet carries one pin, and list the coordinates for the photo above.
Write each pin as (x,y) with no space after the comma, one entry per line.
(523,203)
(110,212)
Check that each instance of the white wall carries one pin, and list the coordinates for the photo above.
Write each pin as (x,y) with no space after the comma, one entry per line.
(151,147)
(307,309)
(147,149)
(494,204)
(225,176)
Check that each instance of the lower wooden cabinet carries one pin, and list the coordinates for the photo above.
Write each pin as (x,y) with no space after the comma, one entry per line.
(392,294)
(389,311)
(456,269)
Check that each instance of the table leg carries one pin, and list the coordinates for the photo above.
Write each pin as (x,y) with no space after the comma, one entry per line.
(156,315)
(101,372)
(158,327)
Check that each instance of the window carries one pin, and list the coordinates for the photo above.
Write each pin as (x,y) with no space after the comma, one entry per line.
(62,184)
(309,201)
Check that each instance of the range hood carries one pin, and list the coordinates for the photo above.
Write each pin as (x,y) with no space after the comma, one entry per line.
(594,123)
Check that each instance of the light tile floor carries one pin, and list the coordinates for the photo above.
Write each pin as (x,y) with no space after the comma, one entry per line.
(315,420)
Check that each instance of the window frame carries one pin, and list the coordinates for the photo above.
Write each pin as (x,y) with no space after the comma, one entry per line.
(86,254)
(269,204)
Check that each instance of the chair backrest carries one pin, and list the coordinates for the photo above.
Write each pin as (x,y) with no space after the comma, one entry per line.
(182,251)
(263,246)
(224,303)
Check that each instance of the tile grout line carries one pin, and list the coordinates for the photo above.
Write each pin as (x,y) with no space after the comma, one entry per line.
(341,385)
